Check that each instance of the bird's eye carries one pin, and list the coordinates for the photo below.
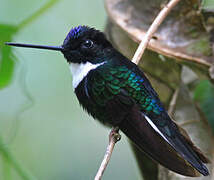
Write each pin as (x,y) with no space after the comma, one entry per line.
(88,44)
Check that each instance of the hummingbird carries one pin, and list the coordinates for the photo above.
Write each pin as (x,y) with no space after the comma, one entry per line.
(114,91)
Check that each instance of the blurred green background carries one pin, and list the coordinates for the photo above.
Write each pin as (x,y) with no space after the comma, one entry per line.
(44,134)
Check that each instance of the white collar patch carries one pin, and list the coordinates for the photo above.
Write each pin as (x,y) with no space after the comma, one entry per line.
(79,71)
(155,128)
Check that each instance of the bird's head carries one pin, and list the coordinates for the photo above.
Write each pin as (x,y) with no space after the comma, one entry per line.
(84,44)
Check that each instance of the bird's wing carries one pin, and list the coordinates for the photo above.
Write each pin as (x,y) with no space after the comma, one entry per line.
(143,135)
(131,85)
(170,131)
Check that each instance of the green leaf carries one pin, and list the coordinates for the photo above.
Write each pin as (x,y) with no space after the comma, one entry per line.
(6,58)
(204,94)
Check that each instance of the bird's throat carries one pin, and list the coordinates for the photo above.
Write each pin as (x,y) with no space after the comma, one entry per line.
(80,70)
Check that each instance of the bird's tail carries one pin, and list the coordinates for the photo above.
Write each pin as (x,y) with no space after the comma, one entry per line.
(149,141)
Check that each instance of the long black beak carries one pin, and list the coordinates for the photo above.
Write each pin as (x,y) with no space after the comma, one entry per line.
(55,48)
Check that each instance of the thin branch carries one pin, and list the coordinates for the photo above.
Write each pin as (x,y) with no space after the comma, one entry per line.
(171,109)
(153,28)
(189,122)
(114,137)
(173,103)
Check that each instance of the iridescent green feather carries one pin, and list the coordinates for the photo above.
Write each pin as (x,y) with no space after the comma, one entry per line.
(114,79)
